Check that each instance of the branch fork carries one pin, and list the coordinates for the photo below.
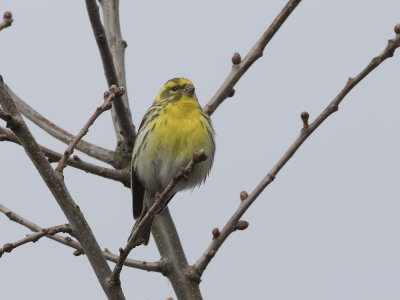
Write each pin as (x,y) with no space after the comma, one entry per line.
(34,237)
(159,204)
(109,96)
(246,200)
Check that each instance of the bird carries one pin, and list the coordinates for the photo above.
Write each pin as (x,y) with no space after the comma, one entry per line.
(172,129)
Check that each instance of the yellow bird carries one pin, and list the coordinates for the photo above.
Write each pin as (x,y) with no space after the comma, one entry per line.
(171,130)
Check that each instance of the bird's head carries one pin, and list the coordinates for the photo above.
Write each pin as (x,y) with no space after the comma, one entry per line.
(175,89)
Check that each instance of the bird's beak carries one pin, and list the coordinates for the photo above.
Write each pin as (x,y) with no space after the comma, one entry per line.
(189,89)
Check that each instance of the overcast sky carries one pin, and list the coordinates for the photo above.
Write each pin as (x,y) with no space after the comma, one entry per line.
(328,227)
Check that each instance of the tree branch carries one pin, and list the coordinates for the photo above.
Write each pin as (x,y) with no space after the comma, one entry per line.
(97,152)
(159,204)
(123,121)
(7,135)
(35,237)
(163,229)
(53,156)
(7,20)
(241,66)
(184,286)
(117,175)
(143,265)
(80,228)
(117,46)
(114,92)
(157,266)
(36,228)
(306,131)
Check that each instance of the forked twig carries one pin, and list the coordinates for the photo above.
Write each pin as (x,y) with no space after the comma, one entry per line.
(122,114)
(54,181)
(34,237)
(241,66)
(53,156)
(305,132)
(109,96)
(92,150)
(158,205)
(70,242)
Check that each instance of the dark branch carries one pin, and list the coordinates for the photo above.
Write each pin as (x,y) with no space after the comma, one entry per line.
(97,152)
(112,28)
(115,92)
(8,247)
(80,228)
(241,66)
(123,115)
(53,156)
(305,132)
(159,204)
(143,265)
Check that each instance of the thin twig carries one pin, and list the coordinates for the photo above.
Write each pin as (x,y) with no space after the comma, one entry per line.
(126,131)
(68,241)
(122,175)
(306,131)
(159,204)
(53,156)
(108,98)
(241,66)
(92,150)
(7,135)
(80,228)
(157,266)
(8,247)
(7,20)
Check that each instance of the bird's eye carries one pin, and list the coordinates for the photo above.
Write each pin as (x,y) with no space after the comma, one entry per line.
(174,88)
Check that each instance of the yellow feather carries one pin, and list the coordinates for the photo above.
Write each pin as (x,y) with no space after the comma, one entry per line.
(181,128)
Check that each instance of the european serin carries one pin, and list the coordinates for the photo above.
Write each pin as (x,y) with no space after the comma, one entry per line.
(171,130)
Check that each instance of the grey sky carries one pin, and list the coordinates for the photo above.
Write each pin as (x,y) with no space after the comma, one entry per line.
(326,228)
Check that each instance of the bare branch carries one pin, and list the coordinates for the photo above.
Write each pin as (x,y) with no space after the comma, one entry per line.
(125,129)
(36,228)
(160,202)
(305,132)
(158,266)
(163,228)
(97,152)
(241,66)
(53,156)
(6,117)
(143,265)
(7,20)
(115,92)
(7,135)
(110,9)
(122,175)
(80,228)
(35,237)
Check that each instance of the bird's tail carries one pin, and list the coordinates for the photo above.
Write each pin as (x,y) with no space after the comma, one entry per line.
(146,230)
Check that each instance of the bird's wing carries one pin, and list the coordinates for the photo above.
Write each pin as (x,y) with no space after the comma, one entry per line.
(137,194)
